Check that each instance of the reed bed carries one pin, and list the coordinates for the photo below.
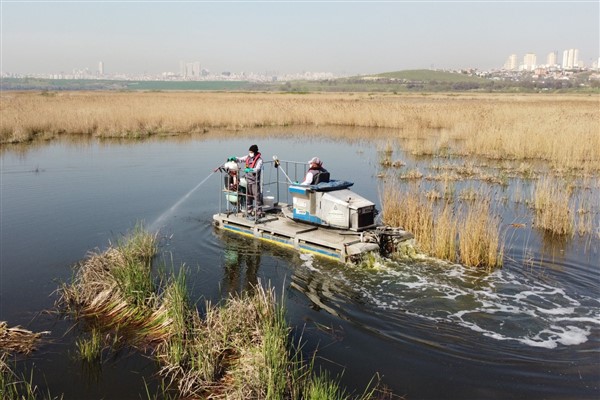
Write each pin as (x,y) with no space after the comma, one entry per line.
(584,211)
(240,349)
(479,238)
(409,211)
(444,235)
(561,129)
(552,208)
(469,234)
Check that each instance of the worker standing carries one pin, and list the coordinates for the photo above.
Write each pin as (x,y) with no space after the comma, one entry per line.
(253,172)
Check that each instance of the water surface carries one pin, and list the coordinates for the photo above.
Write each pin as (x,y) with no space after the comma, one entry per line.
(430,329)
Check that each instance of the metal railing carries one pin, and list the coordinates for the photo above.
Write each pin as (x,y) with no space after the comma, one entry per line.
(273,182)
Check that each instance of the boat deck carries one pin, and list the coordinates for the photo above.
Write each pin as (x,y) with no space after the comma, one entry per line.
(332,243)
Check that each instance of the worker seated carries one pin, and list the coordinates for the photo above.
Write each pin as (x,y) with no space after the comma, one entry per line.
(316,173)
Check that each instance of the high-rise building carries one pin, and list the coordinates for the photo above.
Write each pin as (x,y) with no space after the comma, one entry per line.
(193,70)
(101,68)
(571,59)
(552,59)
(529,62)
(511,63)
(196,69)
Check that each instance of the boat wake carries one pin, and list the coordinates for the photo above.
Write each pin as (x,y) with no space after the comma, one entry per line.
(502,305)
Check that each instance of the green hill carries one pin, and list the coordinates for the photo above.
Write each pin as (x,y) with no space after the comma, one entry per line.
(421,80)
(426,75)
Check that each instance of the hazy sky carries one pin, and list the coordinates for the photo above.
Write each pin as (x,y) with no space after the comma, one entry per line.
(294,36)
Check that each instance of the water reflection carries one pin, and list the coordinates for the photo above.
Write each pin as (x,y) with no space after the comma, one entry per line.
(316,287)
(241,261)
(554,249)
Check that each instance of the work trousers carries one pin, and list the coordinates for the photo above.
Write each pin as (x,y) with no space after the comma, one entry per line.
(255,195)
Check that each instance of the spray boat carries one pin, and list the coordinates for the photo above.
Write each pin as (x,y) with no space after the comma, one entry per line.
(327,219)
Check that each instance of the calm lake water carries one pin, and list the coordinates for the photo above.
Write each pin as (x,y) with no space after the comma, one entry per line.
(430,329)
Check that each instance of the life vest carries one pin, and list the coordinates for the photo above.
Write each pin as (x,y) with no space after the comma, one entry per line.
(251,162)
(320,174)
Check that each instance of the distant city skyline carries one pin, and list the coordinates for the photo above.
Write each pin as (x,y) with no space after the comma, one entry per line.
(571,58)
(345,38)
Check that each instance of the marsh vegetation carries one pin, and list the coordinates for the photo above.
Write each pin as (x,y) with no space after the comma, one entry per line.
(560,129)
(456,208)
(472,176)
(241,349)
(17,340)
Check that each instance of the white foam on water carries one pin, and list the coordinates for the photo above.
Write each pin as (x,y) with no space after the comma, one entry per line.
(499,305)
(308,260)
(590,320)
(550,338)
(557,311)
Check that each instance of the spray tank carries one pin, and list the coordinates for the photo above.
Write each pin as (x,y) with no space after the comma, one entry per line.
(234,186)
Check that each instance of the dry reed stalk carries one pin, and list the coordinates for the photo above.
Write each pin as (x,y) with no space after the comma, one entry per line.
(409,211)
(479,238)
(585,222)
(445,234)
(17,339)
(588,205)
(560,129)
(551,205)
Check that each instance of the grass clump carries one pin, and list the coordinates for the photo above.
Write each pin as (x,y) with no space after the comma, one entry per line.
(551,204)
(240,349)
(19,387)
(479,239)
(322,387)
(115,289)
(12,385)
(90,348)
(17,339)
